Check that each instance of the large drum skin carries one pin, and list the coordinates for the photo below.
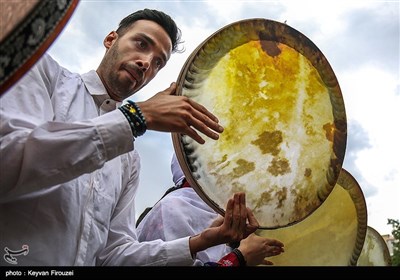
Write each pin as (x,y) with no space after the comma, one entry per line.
(284,118)
(331,236)
(375,251)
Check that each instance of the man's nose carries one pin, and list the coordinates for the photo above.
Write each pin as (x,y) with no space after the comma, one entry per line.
(144,63)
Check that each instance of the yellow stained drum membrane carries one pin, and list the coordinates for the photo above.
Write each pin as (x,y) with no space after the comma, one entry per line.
(284,118)
(375,251)
(333,235)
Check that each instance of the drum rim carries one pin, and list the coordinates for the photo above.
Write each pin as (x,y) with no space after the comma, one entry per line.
(20,37)
(350,184)
(382,244)
(346,184)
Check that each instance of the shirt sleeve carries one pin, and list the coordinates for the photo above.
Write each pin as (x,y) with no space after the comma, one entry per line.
(38,152)
(123,247)
(181,213)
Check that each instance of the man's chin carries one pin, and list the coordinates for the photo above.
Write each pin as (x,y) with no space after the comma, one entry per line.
(127,91)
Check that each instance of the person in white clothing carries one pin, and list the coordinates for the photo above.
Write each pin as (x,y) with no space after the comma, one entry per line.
(181,212)
(69,170)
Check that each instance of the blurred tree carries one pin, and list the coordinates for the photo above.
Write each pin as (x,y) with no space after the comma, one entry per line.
(396,243)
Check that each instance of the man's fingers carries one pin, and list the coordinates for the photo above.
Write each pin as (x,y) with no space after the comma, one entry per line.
(229,212)
(203,110)
(217,222)
(251,218)
(171,90)
(205,125)
(236,212)
(203,119)
(243,212)
(274,242)
(194,135)
(266,262)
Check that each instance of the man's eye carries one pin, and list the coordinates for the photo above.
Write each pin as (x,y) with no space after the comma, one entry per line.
(158,63)
(142,44)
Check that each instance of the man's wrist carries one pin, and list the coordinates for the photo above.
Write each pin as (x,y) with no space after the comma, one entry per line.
(135,118)
(234,245)
(239,255)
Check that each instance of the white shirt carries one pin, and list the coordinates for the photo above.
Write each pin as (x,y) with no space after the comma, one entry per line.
(69,175)
(181,213)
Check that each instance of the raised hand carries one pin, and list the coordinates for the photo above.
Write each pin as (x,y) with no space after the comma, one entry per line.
(237,223)
(168,112)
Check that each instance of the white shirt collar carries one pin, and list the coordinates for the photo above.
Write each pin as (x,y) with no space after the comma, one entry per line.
(96,88)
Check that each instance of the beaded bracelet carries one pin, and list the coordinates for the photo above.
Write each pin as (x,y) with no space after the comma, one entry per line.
(131,123)
(135,118)
(239,255)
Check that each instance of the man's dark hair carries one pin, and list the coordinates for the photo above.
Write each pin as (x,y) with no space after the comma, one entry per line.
(159,17)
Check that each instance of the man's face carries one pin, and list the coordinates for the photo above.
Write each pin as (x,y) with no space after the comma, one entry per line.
(134,58)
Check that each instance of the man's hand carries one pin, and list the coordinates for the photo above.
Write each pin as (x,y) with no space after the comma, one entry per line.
(239,220)
(170,113)
(238,223)
(256,248)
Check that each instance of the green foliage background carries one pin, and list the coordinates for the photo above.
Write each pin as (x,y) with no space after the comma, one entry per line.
(396,243)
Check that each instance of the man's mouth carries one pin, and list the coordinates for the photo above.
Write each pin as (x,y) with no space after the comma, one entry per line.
(135,73)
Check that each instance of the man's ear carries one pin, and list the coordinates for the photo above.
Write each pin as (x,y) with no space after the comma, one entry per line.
(110,39)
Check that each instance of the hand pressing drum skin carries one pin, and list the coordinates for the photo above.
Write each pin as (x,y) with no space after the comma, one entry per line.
(237,223)
(255,249)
